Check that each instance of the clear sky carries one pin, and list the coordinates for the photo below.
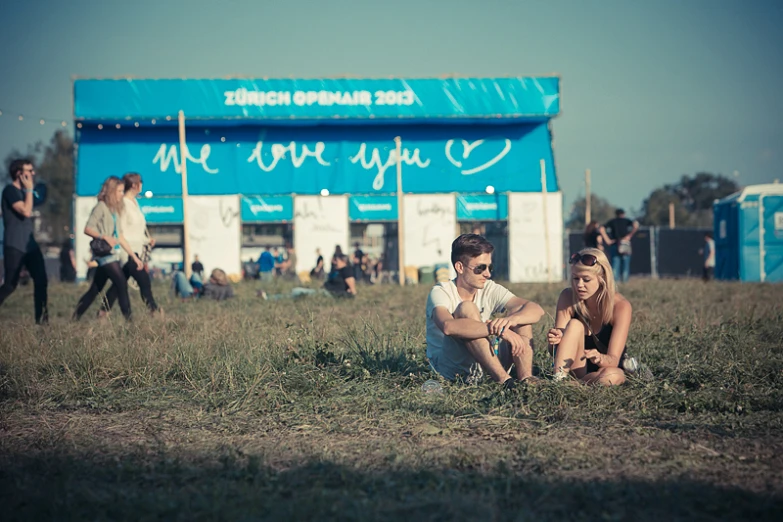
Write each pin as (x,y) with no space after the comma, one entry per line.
(651,90)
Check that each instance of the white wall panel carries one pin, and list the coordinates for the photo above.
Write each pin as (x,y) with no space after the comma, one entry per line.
(214,230)
(430,228)
(527,241)
(81,243)
(319,222)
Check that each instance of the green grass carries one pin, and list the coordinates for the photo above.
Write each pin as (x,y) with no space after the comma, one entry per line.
(312,409)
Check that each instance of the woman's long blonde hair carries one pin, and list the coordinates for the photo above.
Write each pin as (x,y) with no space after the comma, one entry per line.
(108,194)
(602,271)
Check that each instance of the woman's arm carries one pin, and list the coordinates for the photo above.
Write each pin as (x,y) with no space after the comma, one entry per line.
(621,325)
(563,314)
(97,235)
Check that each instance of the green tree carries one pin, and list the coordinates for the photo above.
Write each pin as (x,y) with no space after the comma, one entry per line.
(600,210)
(54,166)
(692,198)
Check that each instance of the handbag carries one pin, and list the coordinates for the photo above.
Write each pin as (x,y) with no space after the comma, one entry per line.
(624,248)
(100,247)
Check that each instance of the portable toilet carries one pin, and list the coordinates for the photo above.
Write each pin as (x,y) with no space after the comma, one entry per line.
(749,234)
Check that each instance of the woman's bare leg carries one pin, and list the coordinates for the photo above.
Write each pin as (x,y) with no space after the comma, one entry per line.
(570,353)
(605,377)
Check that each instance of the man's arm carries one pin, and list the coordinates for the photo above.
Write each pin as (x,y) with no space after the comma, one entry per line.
(468,329)
(25,206)
(633,231)
(350,282)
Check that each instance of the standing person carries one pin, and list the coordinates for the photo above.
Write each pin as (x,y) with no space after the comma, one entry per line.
(358,257)
(318,271)
(197,268)
(266,265)
(709,257)
(105,224)
(459,322)
(20,248)
(592,236)
(592,323)
(618,233)
(338,251)
(67,262)
(134,228)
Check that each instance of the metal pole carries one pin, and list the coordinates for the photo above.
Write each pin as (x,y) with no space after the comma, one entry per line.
(588,202)
(400,214)
(183,165)
(671,215)
(546,222)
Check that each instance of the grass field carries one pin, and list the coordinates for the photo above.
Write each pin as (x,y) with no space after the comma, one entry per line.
(313,409)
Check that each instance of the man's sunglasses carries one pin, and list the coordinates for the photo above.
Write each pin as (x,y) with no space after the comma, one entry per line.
(479,269)
(586,259)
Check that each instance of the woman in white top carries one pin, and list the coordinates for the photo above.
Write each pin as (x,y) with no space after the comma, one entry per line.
(104,224)
(134,227)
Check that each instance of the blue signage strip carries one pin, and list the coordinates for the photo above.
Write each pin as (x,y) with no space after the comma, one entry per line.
(267,209)
(372,208)
(482,207)
(284,100)
(162,210)
(344,159)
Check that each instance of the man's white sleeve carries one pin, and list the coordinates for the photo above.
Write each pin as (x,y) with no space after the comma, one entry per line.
(498,297)
(438,297)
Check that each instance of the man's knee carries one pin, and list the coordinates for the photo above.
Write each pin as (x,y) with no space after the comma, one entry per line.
(467,310)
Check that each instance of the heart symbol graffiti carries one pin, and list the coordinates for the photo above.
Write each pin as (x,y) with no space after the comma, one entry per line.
(467,148)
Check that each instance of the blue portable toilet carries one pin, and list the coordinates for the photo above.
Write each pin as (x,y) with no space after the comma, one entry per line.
(749,234)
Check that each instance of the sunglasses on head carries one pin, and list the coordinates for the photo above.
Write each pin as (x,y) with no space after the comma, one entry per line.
(585,259)
(479,269)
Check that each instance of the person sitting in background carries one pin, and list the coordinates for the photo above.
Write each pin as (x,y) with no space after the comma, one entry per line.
(318,271)
(591,324)
(266,265)
(217,287)
(339,283)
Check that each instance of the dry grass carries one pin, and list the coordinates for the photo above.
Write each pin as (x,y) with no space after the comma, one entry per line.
(313,409)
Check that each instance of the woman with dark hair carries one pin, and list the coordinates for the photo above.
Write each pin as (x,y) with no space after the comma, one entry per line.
(134,227)
(105,224)
(592,236)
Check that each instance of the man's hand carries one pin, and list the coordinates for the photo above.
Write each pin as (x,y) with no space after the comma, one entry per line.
(496,326)
(555,335)
(27,181)
(515,341)
(594,356)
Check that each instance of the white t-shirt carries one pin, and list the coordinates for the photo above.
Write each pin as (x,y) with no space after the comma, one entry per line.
(449,357)
(134,226)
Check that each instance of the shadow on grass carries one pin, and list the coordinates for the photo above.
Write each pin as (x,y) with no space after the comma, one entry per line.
(53,487)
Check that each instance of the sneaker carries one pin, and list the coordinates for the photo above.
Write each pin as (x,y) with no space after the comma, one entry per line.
(263,295)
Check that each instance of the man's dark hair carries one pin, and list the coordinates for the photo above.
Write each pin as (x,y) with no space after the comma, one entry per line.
(341,257)
(619,212)
(708,235)
(468,246)
(17,166)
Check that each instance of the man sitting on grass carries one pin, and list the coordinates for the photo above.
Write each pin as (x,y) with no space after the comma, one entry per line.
(459,326)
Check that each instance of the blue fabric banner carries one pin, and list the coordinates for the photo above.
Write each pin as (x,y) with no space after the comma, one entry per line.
(161,210)
(372,208)
(267,209)
(343,159)
(287,100)
(482,207)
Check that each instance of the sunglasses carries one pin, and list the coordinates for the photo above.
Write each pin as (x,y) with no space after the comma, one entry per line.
(586,259)
(479,269)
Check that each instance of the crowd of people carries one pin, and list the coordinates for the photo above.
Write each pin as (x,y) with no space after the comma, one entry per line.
(474,326)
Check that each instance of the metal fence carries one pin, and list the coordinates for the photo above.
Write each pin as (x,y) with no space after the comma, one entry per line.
(657,251)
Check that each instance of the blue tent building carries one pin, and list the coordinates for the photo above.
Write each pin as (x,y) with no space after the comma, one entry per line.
(749,234)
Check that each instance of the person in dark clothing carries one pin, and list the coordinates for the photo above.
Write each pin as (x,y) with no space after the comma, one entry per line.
(20,248)
(197,267)
(592,236)
(617,233)
(341,281)
(67,263)
(318,271)
(357,261)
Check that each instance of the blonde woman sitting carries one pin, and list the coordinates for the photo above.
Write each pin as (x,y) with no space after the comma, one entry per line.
(592,323)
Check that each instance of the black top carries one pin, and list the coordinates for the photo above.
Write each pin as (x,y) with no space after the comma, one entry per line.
(18,229)
(591,239)
(604,336)
(358,254)
(197,267)
(336,284)
(618,228)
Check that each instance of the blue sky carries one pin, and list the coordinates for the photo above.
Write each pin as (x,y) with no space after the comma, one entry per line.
(650,90)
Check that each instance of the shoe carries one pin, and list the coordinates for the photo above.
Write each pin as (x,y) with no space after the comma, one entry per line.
(509,384)
(560,376)
(262,294)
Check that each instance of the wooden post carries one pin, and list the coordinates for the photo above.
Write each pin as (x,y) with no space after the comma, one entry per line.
(183,165)
(400,214)
(671,215)
(546,222)
(588,202)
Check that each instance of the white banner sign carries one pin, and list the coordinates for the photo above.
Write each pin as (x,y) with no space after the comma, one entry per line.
(430,228)
(81,243)
(319,223)
(528,260)
(214,230)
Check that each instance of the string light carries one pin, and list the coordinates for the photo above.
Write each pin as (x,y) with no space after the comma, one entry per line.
(117,126)
(100,126)
(136,124)
(79,125)
(41,121)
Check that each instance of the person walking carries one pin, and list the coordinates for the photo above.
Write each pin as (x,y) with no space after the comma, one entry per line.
(19,246)
(134,228)
(105,227)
